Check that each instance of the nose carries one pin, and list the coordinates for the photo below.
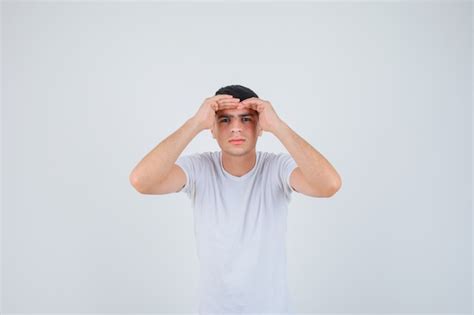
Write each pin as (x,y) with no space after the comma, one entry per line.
(236,126)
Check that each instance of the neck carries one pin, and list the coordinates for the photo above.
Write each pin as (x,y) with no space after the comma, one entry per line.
(239,165)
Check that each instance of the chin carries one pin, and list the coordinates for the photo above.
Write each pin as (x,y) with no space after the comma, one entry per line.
(237,151)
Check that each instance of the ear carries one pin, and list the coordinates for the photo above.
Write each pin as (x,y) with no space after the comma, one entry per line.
(259,129)
(212,130)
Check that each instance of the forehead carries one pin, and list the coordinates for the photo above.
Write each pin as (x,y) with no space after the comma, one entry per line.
(235,112)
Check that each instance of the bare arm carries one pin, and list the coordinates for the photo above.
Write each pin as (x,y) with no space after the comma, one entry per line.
(158,163)
(151,175)
(315,175)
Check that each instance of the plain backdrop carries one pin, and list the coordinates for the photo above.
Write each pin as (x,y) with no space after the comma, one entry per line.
(382,89)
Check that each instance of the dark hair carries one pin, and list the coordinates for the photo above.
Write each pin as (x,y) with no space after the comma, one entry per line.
(237,91)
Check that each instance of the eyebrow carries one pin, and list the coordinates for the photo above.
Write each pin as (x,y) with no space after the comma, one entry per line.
(241,115)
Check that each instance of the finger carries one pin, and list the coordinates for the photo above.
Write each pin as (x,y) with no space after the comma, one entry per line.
(249,101)
(248,105)
(252,100)
(228,101)
(222,96)
(236,103)
(221,106)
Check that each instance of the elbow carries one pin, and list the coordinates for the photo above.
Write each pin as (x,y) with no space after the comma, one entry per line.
(135,182)
(334,188)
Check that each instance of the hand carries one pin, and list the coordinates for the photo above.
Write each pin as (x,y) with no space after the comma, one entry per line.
(267,117)
(206,115)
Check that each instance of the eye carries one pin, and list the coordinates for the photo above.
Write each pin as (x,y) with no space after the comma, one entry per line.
(223,120)
(247,119)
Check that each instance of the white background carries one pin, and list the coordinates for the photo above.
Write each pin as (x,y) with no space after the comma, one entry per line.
(382,89)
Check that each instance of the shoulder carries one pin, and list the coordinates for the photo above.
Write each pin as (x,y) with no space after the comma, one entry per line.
(273,157)
(274,162)
(199,159)
(198,155)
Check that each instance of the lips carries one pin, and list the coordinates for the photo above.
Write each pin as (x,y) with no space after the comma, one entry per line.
(237,140)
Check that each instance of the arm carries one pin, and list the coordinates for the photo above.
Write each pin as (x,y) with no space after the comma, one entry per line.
(158,163)
(157,173)
(314,174)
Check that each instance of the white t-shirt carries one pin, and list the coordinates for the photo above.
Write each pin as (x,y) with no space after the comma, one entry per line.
(240,229)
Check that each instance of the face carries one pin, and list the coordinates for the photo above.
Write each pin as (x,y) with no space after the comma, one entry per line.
(236,124)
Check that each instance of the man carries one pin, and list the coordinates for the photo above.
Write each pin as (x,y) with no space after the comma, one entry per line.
(240,198)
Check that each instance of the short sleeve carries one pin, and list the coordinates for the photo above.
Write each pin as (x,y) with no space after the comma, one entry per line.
(189,164)
(286,164)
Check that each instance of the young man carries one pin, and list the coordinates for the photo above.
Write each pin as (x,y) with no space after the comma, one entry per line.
(240,198)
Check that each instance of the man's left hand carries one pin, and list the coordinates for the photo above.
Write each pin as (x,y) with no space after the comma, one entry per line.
(267,117)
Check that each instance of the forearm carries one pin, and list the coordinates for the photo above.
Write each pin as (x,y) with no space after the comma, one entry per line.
(157,164)
(314,166)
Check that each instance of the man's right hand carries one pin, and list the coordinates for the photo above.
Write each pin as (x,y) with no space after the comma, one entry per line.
(157,172)
(206,115)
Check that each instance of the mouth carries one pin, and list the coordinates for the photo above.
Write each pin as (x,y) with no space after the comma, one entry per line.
(237,141)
